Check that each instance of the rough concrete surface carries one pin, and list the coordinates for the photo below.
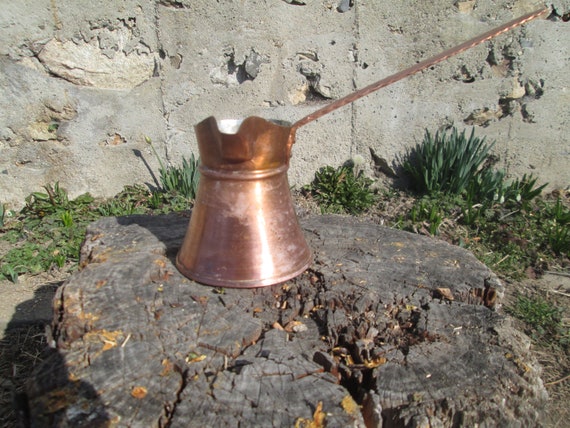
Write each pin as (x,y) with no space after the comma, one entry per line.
(82,83)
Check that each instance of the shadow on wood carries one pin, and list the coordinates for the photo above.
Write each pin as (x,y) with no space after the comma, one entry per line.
(386,328)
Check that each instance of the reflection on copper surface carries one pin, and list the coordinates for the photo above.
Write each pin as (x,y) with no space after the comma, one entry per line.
(267,269)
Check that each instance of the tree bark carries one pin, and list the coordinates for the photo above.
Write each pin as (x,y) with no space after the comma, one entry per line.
(386,328)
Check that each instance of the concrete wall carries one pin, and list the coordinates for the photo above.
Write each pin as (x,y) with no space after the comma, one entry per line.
(82,83)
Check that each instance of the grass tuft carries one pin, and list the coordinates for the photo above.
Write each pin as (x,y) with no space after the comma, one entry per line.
(448,162)
(543,319)
(342,190)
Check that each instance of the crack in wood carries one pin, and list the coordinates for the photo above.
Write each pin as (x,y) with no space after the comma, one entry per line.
(393,343)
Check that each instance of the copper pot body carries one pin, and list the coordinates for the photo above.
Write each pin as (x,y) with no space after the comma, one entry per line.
(243,231)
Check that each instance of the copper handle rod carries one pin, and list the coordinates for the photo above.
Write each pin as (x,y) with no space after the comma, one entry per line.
(416,68)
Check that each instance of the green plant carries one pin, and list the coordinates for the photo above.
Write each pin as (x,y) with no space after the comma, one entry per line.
(47,233)
(155,200)
(486,186)
(542,317)
(183,179)
(523,190)
(67,219)
(516,237)
(554,222)
(340,190)
(446,162)
(118,208)
(49,230)
(429,212)
(558,236)
(558,212)
(470,210)
(55,200)
(8,272)
(130,200)
(29,258)
(2,214)
(42,204)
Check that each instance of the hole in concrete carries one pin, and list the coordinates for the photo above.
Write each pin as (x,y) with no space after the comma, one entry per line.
(237,69)
(246,70)
(464,75)
(526,115)
(507,106)
(500,63)
(313,93)
(534,89)
(555,15)
(482,117)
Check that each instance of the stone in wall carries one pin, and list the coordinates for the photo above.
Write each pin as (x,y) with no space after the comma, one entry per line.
(107,56)
(233,71)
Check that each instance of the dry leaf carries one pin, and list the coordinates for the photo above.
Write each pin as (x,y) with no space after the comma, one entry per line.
(295,327)
(195,358)
(200,299)
(375,362)
(318,420)
(445,293)
(139,392)
(277,326)
(167,367)
(349,405)
(109,338)
(109,345)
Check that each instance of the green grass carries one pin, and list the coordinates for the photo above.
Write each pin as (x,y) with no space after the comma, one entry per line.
(505,223)
(516,240)
(183,179)
(342,190)
(544,319)
(448,162)
(48,232)
(510,238)
(2,214)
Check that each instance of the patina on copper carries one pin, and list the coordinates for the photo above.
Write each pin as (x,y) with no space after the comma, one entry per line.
(243,231)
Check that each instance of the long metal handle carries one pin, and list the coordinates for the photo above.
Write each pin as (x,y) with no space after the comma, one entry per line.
(416,68)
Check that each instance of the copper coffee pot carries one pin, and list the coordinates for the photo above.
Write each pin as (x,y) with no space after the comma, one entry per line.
(243,231)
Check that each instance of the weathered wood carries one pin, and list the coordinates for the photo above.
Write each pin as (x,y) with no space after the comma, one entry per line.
(386,328)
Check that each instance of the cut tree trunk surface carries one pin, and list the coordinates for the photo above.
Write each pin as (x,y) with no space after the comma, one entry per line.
(386,328)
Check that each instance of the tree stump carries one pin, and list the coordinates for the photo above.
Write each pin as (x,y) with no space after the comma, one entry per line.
(387,328)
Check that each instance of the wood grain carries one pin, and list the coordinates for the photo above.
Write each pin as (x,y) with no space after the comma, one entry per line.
(386,328)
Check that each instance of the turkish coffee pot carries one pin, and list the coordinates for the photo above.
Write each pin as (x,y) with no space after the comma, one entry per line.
(244,232)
